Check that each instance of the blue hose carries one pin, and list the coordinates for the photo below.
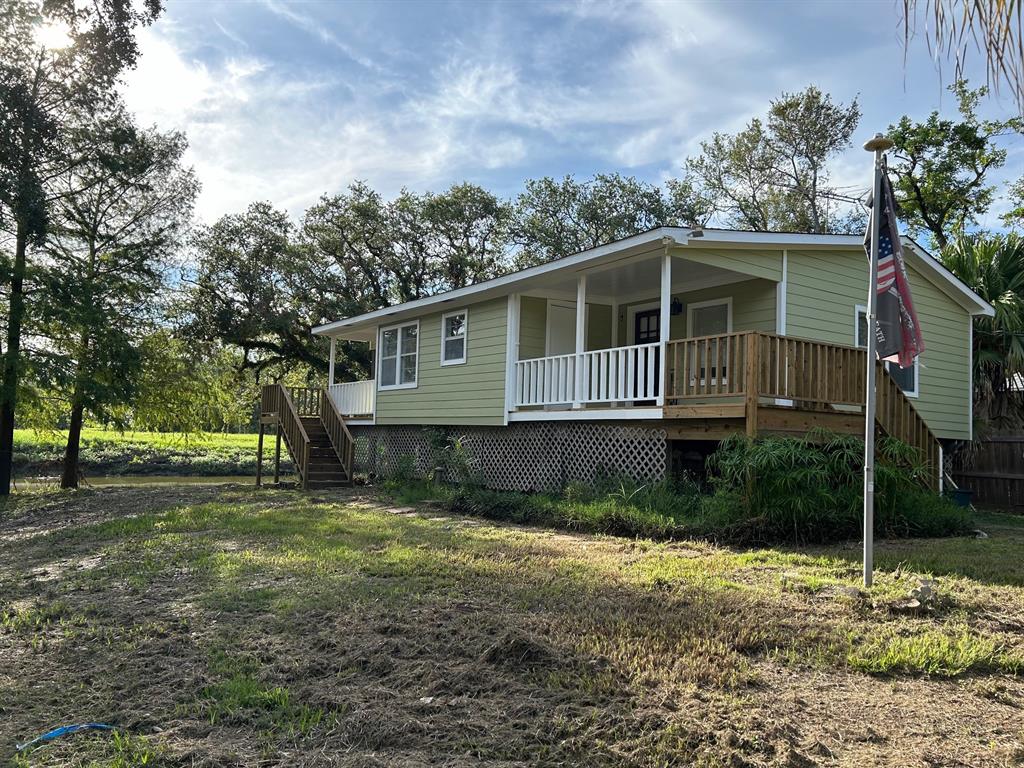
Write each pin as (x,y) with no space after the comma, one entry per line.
(64,730)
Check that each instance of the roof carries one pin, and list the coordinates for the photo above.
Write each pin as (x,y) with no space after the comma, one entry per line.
(652,241)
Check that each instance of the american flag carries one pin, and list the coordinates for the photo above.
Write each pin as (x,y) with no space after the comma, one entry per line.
(896,329)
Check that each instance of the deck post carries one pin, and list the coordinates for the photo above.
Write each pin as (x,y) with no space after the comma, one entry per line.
(750,393)
(277,453)
(581,338)
(664,323)
(330,362)
(259,456)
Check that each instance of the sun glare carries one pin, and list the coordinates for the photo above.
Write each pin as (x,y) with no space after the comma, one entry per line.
(53,35)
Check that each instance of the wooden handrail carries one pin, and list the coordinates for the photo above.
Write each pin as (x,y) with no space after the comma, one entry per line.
(749,366)
(276,399)
(341,439)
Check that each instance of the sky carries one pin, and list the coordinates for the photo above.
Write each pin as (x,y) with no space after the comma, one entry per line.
(287,101)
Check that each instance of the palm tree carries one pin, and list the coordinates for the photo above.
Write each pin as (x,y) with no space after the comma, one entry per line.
(991,26)
(993,267)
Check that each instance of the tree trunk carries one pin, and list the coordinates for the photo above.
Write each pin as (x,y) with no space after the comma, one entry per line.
(9,386)
(69,477)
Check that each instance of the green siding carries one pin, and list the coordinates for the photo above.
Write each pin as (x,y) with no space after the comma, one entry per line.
(473,393)
(824,289)
(753,308)
(599,326)
(533,314)
(757,262)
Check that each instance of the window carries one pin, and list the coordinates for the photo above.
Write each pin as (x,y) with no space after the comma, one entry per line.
(905,378)
(710,318)
(453,337)
(399,354)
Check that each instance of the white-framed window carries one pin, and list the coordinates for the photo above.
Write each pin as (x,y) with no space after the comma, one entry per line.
(906,378)
(398,356)
(709,318)
(454,335)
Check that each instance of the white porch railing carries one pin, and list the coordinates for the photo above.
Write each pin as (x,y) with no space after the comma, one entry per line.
(619,374)
(354,398)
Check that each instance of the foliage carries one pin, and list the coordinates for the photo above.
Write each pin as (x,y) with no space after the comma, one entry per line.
(993,267)
(810,489)
(51,98)
(941,166)
(773,175)
(770,490)
(111,236)
(107,452)
(993,26)
(558,217)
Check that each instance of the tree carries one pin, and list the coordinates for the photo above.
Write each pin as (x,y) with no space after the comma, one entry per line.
(994,27)
(254,290)
(556,218)
(773,175)
(47,95)
(1015,196)
(116,220)
(941,166)
(993,267)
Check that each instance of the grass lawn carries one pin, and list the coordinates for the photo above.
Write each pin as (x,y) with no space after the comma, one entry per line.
(108,452)
(230,626)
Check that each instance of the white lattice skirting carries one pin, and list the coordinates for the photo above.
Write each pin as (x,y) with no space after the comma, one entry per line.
(532,456)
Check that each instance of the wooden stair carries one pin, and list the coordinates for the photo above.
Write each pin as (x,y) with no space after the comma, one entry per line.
(324,469)
(315,434)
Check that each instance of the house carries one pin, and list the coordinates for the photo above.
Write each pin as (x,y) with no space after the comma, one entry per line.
(636,357)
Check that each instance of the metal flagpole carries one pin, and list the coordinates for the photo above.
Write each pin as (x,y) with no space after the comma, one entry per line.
(878,145)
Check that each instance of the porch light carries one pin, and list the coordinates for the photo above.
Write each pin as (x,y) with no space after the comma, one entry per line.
(676,307)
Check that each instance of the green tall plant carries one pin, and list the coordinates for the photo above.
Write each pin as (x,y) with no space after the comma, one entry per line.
(993,267)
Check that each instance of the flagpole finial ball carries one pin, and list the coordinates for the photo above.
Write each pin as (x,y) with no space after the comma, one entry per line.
(878,143)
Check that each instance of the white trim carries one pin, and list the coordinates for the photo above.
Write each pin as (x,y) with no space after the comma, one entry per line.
(511,352)
(664,322)
(330,362)
(588,414)
(465,337)
(781,288)
(727,300)
(360,422)
(916,392)
(942,469)
(631,319)
(928,261)
(970,377)
(581,333)
(398,357)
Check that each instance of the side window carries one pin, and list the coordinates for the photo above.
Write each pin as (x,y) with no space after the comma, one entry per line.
(454,332)
(905,378)
(399,356)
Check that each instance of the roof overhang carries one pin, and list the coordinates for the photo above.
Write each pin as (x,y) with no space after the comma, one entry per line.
(363,327)
(646,242)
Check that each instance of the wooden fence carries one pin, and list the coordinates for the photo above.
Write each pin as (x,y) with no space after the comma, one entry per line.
(994,470)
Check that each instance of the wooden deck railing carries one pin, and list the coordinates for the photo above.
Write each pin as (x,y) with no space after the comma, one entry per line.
(342,440)
(277,399)
(750,366)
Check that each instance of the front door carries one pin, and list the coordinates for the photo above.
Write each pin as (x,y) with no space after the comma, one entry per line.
(646,330)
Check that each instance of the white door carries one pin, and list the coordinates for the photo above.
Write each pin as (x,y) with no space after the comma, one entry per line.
(561,328)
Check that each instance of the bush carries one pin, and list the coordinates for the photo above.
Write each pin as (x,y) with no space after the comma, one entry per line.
(770,490)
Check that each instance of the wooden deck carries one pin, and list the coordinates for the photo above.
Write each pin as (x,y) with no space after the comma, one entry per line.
(762,383)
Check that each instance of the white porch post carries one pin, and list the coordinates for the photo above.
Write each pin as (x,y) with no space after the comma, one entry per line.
(511,354)
(330,362)
(664,321)
(581,338)
(615,334)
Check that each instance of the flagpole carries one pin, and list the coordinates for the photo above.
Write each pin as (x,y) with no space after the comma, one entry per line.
(878,144)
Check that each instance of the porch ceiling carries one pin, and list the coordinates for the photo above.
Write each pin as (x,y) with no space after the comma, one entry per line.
(642,278)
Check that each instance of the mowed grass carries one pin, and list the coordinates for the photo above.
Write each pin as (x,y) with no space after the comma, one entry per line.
(109,452)
(233,626)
